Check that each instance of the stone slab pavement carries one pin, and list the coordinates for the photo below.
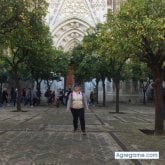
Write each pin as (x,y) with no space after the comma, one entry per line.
(43,136)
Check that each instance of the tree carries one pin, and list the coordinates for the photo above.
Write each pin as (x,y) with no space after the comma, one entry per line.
(81,64)
(39,62)
(88,70)
(23,40)
(92,43)
(61,62)
(139,72)
(10,15)
(143,24)
(3,75)
(111,48)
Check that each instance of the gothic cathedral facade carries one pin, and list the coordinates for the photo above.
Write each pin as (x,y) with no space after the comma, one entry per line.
(69,20)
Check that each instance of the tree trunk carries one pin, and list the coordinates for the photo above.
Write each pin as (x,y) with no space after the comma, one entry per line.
(145,87)
(159,121)
(104,96)
(144,97)
(1,87)
(117,82)
(97,91)
(65,83)
(38,85)
(18,94)
(1,93)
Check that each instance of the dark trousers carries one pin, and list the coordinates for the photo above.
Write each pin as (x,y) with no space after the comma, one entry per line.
(28,100)
(78,114)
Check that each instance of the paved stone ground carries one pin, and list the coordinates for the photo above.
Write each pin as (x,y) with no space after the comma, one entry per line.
(43,136)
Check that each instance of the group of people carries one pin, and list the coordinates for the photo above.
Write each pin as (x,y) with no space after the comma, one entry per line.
(28,97)
(59,97)
(8,97)
(75,100)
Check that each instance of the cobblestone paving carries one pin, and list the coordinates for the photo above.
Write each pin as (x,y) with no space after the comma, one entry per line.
(43,136)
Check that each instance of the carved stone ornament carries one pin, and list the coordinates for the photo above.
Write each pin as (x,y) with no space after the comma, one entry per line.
(70,19)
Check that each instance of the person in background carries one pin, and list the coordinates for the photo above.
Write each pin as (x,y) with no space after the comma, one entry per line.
(48,95)
(77,103)
(53,96)
(23,98)
(92,97)
(28,97)
(68,93)
(13,96)
(61,96)
(35,97)
(4,96)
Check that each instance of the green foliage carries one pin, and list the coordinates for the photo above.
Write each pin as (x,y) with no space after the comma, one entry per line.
(29,47)
(87,69)
(111,48)
(25,38)
(138,71)
(77,56)
(27,35)
(143,22)
(61,62)
(78,63)
(3,72)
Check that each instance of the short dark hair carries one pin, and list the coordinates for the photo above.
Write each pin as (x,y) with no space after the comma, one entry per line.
(77,85)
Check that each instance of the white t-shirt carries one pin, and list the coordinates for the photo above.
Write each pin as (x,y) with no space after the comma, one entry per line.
(77,98)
